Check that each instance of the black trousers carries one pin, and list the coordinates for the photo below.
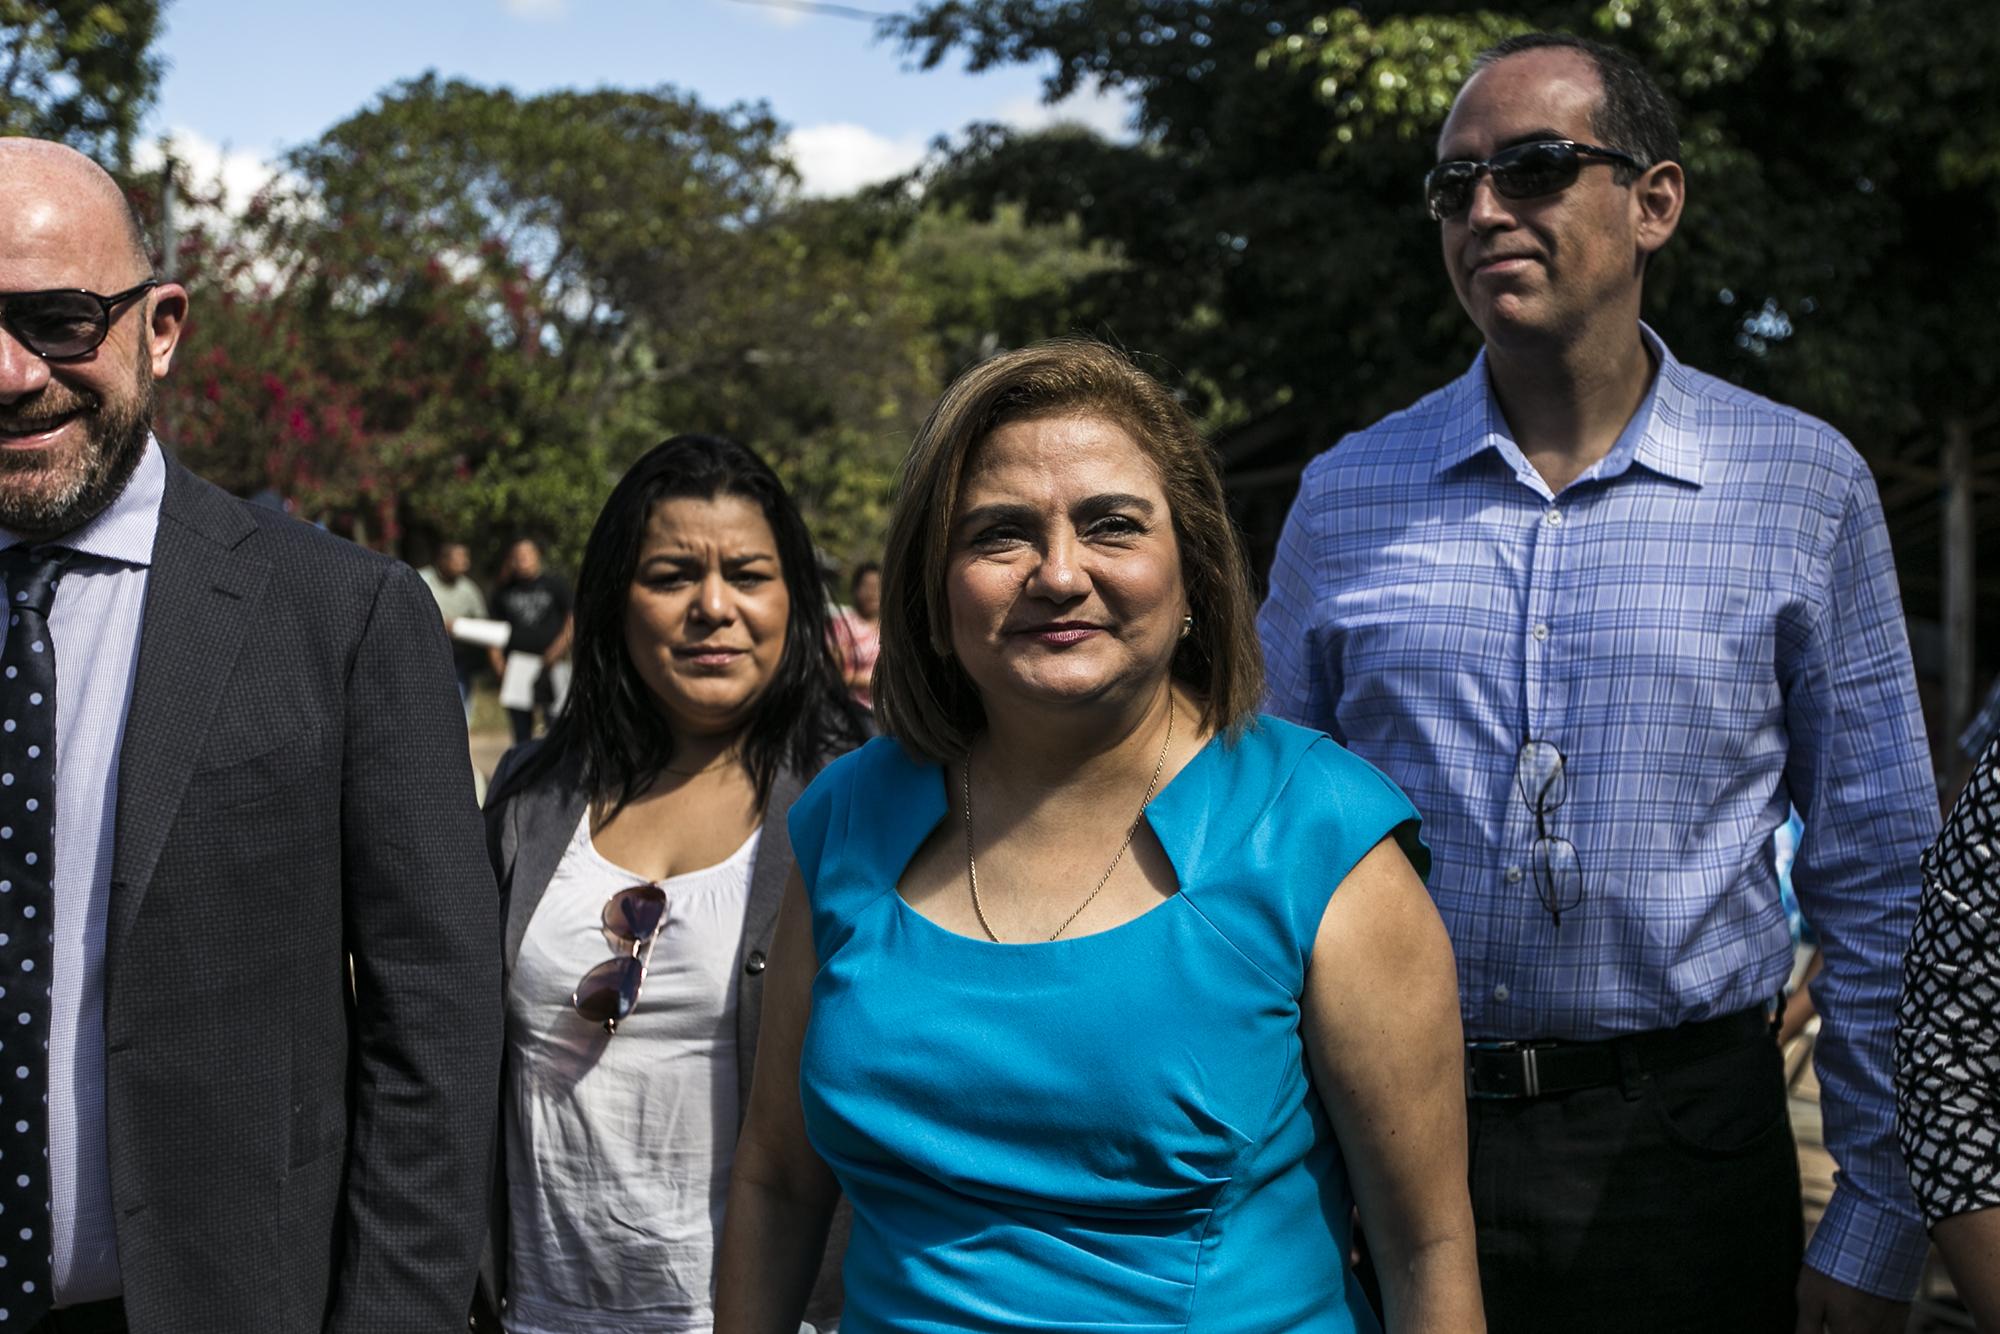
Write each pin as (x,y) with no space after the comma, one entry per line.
(523,723)
(1668,1203)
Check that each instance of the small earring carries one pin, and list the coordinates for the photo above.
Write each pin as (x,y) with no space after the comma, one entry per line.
(1187,626)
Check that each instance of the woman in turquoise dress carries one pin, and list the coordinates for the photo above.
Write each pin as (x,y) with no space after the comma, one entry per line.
(1105,1001)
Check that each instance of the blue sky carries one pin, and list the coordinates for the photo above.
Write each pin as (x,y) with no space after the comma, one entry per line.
(249,78)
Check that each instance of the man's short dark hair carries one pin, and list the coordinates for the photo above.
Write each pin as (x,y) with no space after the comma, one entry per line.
(1634,115)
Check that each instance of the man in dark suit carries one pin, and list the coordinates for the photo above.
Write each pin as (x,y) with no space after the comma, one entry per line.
(249,941)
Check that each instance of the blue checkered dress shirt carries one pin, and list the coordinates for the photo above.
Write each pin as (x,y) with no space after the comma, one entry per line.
(1706,624)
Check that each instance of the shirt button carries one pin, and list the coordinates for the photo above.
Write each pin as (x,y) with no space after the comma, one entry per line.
(755,963)
(1513,875)
(1501,993)
(1540,632)
(1554,517)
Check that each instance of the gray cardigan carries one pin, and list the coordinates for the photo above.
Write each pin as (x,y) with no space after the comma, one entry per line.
(527,832)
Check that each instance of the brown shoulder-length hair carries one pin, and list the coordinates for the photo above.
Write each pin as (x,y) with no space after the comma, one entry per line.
(923,697)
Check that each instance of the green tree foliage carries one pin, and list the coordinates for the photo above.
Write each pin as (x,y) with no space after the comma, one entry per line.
(983,281)
(1237,244)
(997,281)
(1844,160)
(79,71)
(246,400)
(476,308)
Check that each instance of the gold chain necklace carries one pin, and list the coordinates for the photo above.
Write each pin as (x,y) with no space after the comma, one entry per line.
(972,865)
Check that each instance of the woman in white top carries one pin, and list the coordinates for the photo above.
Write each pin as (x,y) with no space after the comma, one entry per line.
(642,851)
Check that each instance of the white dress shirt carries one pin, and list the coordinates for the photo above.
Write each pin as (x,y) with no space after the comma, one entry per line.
(95,625)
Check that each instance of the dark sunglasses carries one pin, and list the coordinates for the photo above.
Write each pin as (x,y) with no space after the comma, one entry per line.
(610,991)
(1525,171)
(66,322)
(1541,773)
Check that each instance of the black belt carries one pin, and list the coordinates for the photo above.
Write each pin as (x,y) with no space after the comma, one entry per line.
(1531,1069)
(105,1317)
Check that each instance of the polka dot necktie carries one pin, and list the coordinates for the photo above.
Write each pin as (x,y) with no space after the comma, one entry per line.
(27,928)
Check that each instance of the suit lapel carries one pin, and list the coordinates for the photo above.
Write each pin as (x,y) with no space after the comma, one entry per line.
(768,874)
(199,595)
(544,818)
(773,865)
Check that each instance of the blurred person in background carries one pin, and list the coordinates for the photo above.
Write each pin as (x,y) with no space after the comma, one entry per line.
(642,850)
(450,580)
(536,605)
(857,632)
(1808,956)
(1099,996)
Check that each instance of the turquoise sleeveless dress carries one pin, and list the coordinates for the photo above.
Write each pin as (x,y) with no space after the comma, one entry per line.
(1107,1132)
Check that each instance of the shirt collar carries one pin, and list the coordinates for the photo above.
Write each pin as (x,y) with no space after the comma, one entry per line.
(1662,436)
(125,529)
(1670,438)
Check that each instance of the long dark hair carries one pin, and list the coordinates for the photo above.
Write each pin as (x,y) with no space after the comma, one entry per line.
(611,726)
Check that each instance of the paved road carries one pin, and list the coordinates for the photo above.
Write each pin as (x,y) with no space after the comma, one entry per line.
(487,748)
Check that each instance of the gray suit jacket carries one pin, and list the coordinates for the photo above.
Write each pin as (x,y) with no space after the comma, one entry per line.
(295,1147)
(527,832)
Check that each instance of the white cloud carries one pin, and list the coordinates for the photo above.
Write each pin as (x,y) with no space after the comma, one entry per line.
(773,15)
(241,174)
(1094,107)
(536,9)
(837,158)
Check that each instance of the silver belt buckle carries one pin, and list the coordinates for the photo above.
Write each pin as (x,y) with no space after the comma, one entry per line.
(1531,1070)
(1531,1073)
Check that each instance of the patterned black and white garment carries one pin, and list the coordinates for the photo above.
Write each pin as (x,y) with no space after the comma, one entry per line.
(1948,1034)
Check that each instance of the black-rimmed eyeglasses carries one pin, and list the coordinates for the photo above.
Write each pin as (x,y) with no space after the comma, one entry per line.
(1525,171)
(65,322)
(1539,772)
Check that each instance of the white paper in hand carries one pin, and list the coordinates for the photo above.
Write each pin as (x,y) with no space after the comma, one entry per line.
(486,634)
(517,683)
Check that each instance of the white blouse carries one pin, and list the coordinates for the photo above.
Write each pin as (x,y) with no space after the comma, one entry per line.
(618,1149)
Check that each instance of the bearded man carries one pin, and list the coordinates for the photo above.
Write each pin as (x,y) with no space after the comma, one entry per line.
(249,983)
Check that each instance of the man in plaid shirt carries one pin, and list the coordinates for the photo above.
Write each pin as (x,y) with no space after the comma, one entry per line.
(1605,618)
